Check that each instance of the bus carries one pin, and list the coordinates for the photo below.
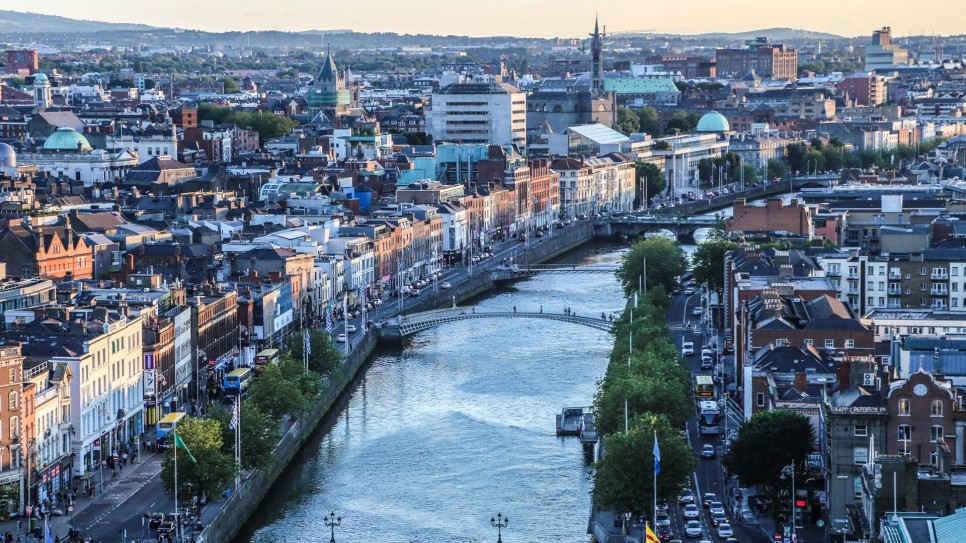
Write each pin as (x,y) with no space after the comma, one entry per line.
(236,382)
(166,425)
(265,357)
(704,387)
(708,417)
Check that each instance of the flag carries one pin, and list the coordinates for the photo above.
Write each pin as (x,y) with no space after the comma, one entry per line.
(657,456)
(47,538)
(306,343)
(234,415)
(651,537)
(179,443)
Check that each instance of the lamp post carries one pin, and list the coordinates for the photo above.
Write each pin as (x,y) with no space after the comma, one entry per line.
(499,523)
(789,471)
(332,522)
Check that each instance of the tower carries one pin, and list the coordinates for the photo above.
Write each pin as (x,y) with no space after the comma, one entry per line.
(328,93)
(42,90)
(596,58)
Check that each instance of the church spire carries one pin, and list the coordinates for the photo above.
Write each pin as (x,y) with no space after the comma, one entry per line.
(596,57)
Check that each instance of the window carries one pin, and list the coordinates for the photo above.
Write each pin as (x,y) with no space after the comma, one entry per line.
(850,344)
(936,433)
(780,342)
(13,379)
(12,401)
(808,341)
(904,408)
(922,271)
(860,455)
(905,432)
(861,430)
(936,408)
(829,343)
(760,399)
(14,427)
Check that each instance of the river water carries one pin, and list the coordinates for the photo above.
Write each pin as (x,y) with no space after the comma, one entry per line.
(439,436)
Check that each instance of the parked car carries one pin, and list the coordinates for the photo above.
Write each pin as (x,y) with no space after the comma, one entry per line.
(706,363)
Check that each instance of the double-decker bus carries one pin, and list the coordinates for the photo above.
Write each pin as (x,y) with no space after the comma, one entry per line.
(236,382)
(265,357)
(708,417)
(703,387)
(164,427)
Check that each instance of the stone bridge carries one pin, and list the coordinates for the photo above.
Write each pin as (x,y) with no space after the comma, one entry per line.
(397,328)
(632,226)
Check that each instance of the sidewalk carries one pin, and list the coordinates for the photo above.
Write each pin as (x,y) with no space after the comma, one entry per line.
(59,525)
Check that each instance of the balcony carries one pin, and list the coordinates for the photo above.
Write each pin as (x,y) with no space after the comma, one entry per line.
(938,292)
(895,290)
(895,276)
(853,290)
(894,304)
(853,275)
(833,272)
(939,275)
(938,306)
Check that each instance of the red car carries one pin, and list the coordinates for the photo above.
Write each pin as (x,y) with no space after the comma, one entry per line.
(664,533)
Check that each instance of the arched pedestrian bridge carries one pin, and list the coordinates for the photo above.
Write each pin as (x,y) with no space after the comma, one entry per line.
(400,327)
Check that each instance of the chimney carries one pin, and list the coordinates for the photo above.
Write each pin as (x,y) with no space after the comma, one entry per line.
(801,382)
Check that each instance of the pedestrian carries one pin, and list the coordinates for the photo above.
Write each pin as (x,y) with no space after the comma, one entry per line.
(514,309)
(123,459)
(541,309)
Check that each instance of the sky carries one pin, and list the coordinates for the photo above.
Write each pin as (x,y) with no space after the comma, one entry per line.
(538,18)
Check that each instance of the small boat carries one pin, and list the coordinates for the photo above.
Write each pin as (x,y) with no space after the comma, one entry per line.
(588,430)
(568,421)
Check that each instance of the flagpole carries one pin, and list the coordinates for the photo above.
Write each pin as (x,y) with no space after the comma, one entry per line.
(177,521)
(238,442)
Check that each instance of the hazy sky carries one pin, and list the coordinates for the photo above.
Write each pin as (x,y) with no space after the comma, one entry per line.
(544,18)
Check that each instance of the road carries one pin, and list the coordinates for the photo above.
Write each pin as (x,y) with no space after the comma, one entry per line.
(685,325)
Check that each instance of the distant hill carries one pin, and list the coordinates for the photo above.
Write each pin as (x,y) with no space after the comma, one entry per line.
(774,34)
(20,22)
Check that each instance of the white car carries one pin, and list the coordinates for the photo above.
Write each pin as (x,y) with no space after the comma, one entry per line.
(724,530)
(691,511)
(341,338)
(377,302)
(445,284)
(693,529)
(351,328)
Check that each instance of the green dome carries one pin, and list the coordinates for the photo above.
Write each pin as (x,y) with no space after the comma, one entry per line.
(713,122)
(67,139)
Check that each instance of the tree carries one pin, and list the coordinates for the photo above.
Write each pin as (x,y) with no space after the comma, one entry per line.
(278,393)
(664,261)
(705,167)
(650,121)
(795,155)
(750,173)
(776,168)
(259,434)
(653,178)
(627,121)
(708,263)
(212,470)
(231,86)
(325,357)
(766,443)
(653,383)
(833,158)
(814,161)
(681,123)
(624,477)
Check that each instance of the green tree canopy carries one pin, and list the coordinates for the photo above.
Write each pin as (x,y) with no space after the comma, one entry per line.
(650,121)
(776,168)
(664,261)
(259,434)
(653,383)
(211,472)
(325,357)
(624,477)
(284,389)
(627,121)
(231,86)
(708,263)
(814,162)
(795,156)
(766,443)
(654,178)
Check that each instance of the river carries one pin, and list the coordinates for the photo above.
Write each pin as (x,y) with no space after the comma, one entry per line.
(438,437)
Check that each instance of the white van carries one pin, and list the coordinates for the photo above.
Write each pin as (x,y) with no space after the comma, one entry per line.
(687,348)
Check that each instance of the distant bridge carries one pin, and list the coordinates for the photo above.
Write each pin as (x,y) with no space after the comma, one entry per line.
(405,325)
(563,268)
(633,226)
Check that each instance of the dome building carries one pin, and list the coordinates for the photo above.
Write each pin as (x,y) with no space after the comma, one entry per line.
(67,153)
(713,122)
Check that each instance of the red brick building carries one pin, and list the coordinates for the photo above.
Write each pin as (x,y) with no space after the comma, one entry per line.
(795,218)
(920,418)
(48,252)
(864,89)
(22,61)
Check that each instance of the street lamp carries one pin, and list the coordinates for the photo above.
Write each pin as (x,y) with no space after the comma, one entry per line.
(789,471)
(499,523)
(332,522)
